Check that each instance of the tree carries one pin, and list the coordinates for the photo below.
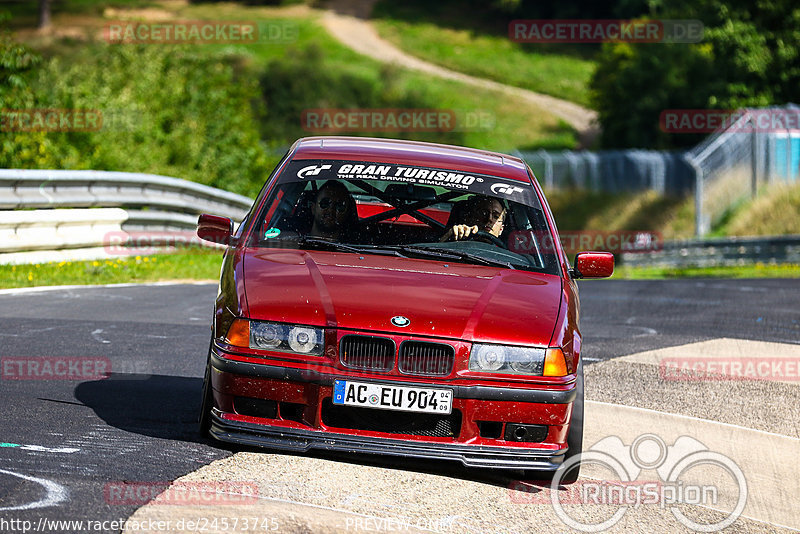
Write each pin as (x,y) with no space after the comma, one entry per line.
(45,10)
(749,56)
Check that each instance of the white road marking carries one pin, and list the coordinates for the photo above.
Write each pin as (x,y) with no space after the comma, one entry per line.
(38,448)
(56,493)
(38,289)
(96,336)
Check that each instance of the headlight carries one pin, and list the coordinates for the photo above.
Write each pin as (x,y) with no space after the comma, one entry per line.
(506,359)
(303,339)
(286,338)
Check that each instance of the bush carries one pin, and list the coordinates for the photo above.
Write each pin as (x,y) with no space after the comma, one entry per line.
(303,80)
(165,111)
(746,58)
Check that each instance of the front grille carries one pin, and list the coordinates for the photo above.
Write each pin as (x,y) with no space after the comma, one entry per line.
(390,421)
(423,358)
(367,352)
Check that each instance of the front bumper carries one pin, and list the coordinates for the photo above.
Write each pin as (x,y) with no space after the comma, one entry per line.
(311,389)
(297,440)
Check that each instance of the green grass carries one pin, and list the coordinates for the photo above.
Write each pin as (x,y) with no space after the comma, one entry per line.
(205,265)
(476,51)
(189,265)
(586,210)
(758,270)
(26,13)
(509,125)
(775,212)
(506,125)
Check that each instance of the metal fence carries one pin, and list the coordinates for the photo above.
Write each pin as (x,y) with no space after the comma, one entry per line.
(729,167)
(734,164)
(613,171)
(729,251)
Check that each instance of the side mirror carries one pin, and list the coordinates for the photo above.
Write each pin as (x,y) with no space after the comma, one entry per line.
(593,265)
(215,229)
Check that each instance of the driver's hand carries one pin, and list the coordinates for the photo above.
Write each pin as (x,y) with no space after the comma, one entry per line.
(461,231)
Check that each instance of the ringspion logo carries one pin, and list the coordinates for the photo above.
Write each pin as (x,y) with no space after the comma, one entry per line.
(687,473)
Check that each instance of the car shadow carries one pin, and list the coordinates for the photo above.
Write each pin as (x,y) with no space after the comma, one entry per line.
(158,406)
(166,407)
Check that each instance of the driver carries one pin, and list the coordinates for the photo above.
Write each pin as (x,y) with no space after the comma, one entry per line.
(484,214)
(333,211)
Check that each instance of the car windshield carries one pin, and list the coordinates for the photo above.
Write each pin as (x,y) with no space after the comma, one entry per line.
(406,211)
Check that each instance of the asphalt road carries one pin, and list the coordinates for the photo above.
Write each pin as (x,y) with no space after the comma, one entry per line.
(71,443)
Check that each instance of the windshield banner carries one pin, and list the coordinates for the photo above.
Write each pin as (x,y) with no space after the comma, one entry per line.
(353,171)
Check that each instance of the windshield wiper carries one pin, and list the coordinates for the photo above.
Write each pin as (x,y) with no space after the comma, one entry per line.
(326,244)
(402,251)
(450,254)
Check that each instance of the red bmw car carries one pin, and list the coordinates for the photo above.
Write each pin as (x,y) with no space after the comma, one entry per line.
(401,298)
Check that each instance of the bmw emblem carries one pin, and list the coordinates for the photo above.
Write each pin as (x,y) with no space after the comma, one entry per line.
(400,321)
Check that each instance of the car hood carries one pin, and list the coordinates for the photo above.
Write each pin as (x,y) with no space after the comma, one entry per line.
(363,292)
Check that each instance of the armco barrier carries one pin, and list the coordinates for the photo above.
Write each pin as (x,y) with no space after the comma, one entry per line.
(730,251)
(35,221)
(31,227)
(57,229)
(84,189)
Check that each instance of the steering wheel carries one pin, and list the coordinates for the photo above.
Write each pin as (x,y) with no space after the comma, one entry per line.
(486,237)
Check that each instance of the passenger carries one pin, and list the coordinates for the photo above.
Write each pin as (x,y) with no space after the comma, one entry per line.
(333,212)
(483,214)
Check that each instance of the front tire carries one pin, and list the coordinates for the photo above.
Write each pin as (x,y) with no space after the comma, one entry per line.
(204,421)
(574,439)
(575,436)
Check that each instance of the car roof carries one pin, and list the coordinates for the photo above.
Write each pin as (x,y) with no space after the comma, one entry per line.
(417,153)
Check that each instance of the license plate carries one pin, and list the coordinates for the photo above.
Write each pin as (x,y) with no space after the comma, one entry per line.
(390,397)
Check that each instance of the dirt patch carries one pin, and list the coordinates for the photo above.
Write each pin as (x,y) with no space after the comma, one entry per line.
(346,21)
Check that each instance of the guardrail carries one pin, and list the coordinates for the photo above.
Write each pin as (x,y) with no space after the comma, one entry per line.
(731,251)
(100,204)
(84,189)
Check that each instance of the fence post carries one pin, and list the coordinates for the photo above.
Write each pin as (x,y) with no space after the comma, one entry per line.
(753,156)
(699,220)
(548,169)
